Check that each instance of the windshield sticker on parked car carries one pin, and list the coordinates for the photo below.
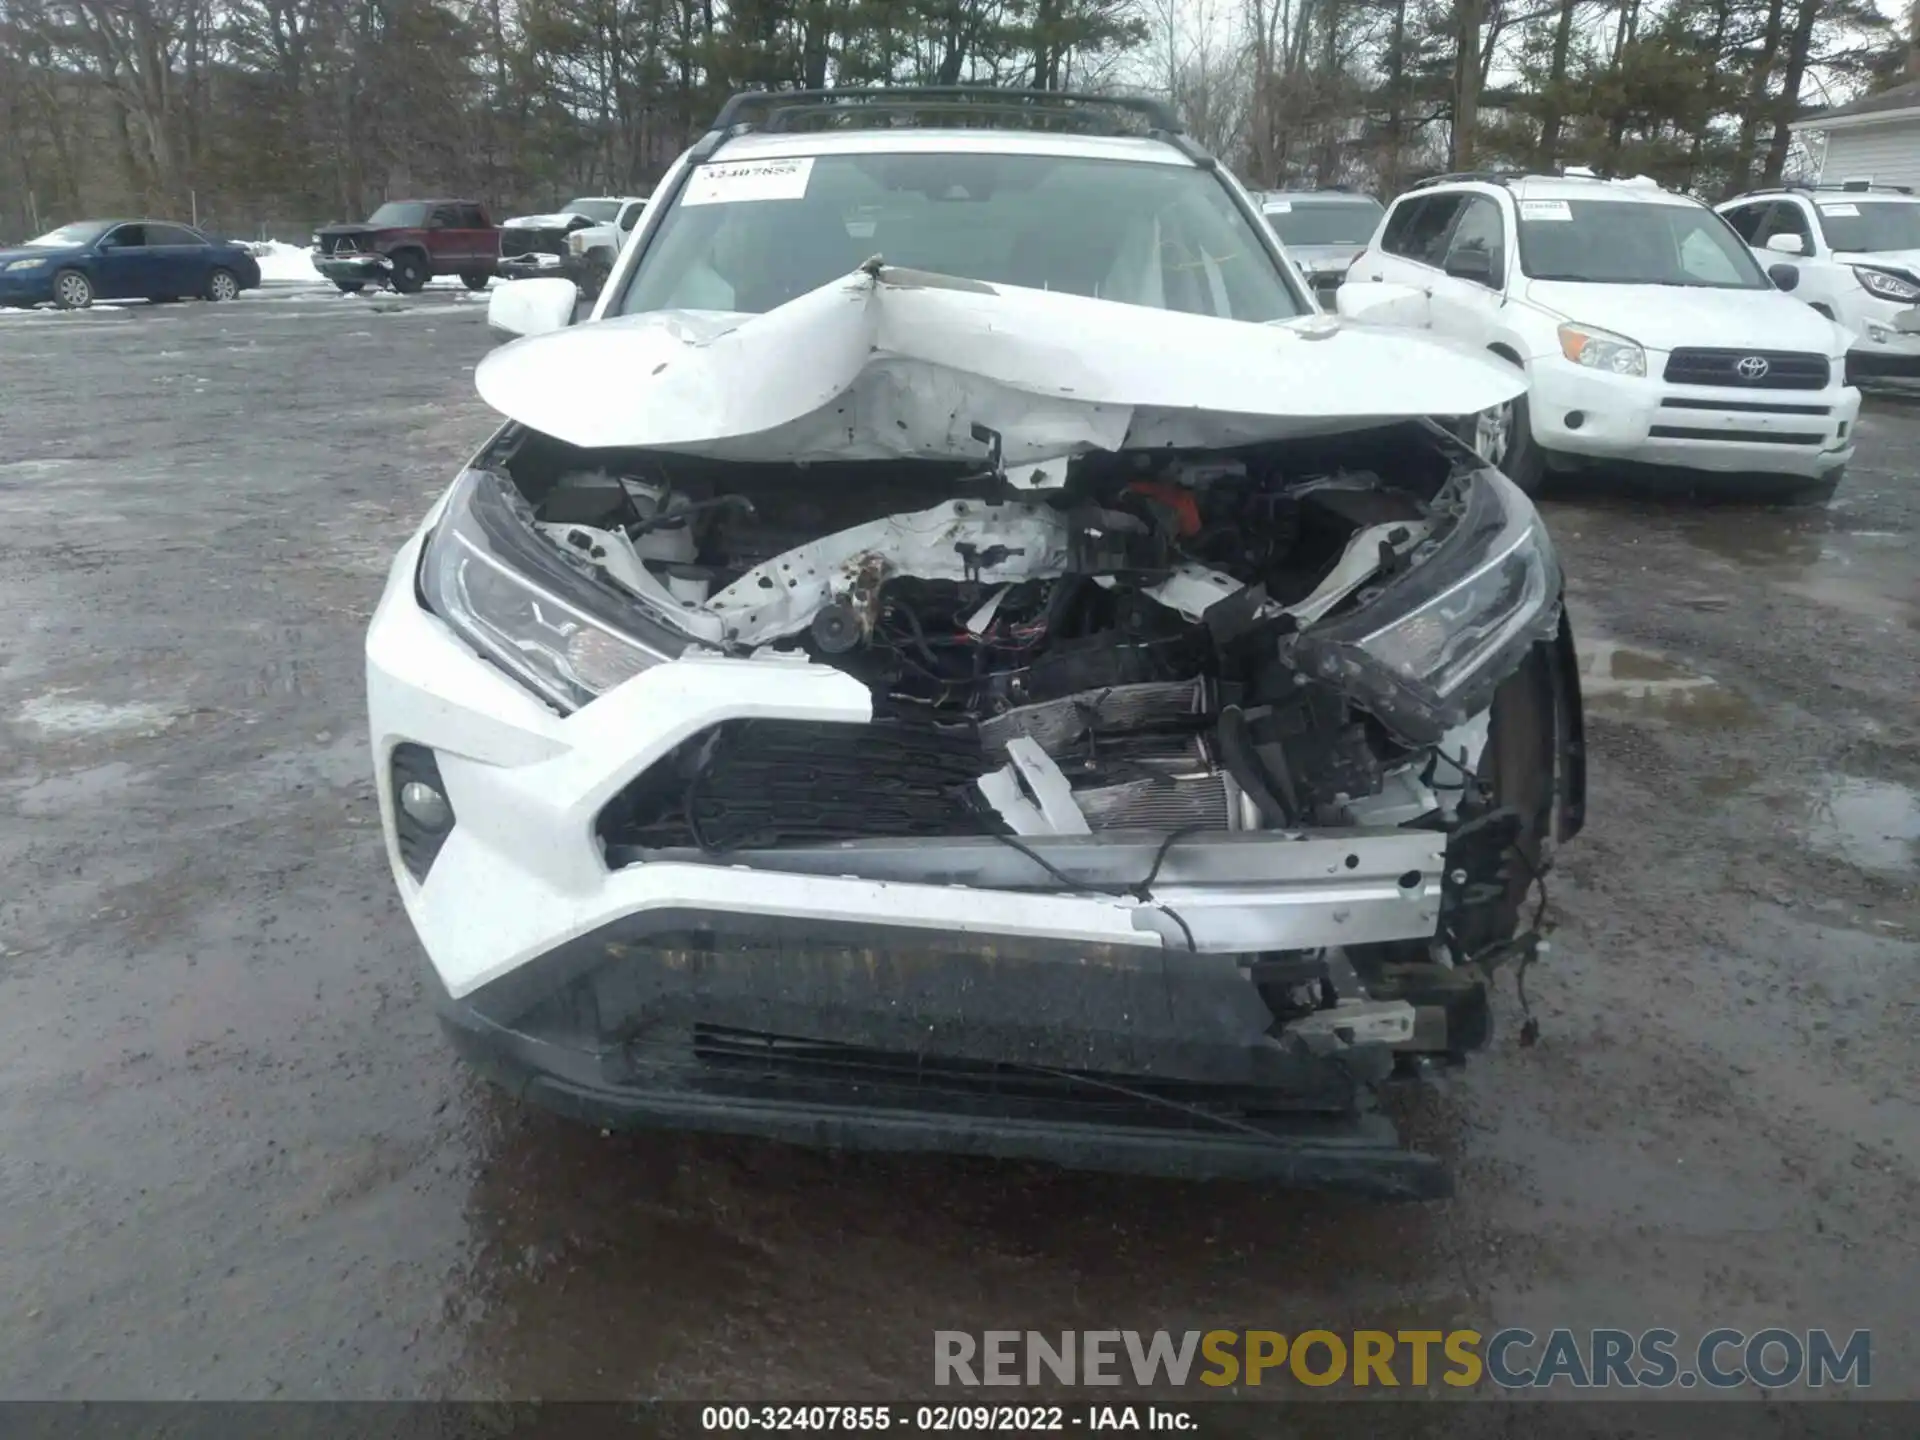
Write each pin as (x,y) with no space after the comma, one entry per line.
(1545,210)
(1278,207)
(748,180)
(1841,210)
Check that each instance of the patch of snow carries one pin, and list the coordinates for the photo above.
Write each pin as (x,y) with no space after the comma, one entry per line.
(55,714)
(284,264)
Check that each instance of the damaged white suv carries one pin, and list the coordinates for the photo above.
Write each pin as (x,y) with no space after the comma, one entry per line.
(958,654)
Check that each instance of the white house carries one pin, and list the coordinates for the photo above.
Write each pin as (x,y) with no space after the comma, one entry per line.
(1875,139)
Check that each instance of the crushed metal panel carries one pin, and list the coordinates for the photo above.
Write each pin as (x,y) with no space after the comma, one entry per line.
(886,364)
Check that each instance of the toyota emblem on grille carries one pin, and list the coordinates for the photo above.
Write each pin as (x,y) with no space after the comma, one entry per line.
(1752,367)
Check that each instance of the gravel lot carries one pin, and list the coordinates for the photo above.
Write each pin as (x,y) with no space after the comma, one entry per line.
(236,1158)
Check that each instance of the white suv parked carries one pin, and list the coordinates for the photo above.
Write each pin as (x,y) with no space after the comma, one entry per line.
(1649,334)
(1857,248)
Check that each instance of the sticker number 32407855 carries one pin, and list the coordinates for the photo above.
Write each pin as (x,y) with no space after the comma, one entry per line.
(733,183)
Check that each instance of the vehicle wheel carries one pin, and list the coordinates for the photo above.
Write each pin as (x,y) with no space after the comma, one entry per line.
(350,287)
(1503,437)
(221,285)
(72,290)
(409,273)
(476,279)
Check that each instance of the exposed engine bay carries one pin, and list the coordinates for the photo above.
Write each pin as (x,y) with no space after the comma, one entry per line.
(1137,649)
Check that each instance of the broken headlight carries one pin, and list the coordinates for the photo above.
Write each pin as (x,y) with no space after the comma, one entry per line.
(521,602)
(1428,652)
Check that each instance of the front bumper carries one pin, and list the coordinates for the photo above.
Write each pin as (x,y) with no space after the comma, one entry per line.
(27,287)
(363,268)
(832,1097)
(537,265)
(1886,343)
(598,978)
(1590,414)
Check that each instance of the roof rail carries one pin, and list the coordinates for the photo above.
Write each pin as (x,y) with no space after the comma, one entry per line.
(774,110)
(1486,177)
(1845,187)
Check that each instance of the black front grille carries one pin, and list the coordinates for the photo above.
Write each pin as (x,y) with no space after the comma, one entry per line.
(1744,407)
(1749,369)
(532,240)
(886,1078)
(1732,437)
(756,783)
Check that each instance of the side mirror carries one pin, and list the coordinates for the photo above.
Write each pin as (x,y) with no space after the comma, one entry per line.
(1474,265)
(629,220)
(531,307)
(1784,277)
(1786,244)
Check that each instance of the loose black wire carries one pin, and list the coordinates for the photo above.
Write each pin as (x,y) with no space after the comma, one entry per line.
(1229,1121)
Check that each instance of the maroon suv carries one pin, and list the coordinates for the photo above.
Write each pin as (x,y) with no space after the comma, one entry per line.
(405,243)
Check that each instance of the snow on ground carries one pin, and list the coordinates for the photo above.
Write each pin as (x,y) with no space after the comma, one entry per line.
(284,264)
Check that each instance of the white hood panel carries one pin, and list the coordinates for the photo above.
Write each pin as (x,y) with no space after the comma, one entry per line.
(1896,259)
(546,222)
(1665,317)
(887,364)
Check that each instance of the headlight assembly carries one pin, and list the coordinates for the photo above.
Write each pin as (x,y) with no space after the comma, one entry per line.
(518,600)
(1887,287)
(1596,349)
(1429,652)
(32,262)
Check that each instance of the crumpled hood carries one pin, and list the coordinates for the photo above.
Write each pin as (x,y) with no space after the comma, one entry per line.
(886,364)
(1311,258)
(1665,317)
(545,222)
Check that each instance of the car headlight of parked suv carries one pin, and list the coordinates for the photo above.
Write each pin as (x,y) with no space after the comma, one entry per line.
(519,600)
(1887,287)
(1597,349)
(1429,652)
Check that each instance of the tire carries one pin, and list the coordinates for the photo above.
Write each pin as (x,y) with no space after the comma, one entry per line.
(1503,437)
(72,290)
(350,287)
(223,285)
(409,273)
(476,279)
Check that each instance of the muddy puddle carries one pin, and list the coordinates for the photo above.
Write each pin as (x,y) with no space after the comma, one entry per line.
(1636,684)
(1872,824)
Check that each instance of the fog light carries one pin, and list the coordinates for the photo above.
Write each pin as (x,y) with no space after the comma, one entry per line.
(425,804)
(1575,419)
(423,816)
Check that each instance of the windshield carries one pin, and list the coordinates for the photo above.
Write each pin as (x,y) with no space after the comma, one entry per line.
(601,212)
(752,235)
(84,232)
(400,215)
(1871,225)
(1623,242)
(1323,222)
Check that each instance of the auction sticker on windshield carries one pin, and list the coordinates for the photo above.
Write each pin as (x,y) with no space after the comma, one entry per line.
(1843,211)
(748,180)
(1545,210)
